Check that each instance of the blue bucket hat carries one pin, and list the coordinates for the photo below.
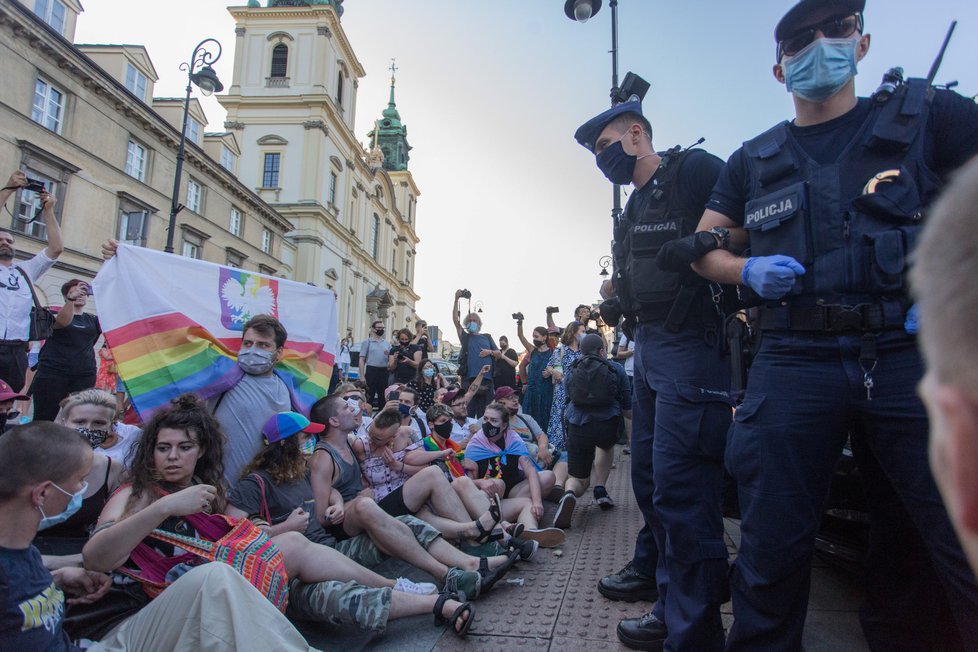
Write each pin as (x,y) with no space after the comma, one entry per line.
(587,134)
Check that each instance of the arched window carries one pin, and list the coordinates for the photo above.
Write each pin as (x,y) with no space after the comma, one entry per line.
(280,60)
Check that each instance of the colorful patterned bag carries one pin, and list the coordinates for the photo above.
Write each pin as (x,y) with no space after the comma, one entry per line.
(235,542)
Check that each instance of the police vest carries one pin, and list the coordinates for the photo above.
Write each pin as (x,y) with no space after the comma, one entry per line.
(643,289)
(853,223)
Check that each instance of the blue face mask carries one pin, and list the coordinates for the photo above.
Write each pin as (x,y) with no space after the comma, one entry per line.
(821,69)
(616,165)
(73,506)
(473,327)
(404,410)
(429,372)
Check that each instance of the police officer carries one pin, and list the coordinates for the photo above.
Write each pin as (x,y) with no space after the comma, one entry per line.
(679,386)
(833,203)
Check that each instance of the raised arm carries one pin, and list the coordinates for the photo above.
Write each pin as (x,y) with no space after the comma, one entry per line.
(456,317)
(522,336)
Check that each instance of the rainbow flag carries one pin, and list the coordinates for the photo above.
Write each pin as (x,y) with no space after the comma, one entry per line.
(174,325)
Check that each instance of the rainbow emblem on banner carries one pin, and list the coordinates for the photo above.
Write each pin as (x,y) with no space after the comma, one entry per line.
(245,295)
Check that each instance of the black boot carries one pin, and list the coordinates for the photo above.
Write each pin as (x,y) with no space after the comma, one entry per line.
(628,585)
(645,633)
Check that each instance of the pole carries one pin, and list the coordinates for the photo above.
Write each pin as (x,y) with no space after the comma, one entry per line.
(615,189)
(175,203)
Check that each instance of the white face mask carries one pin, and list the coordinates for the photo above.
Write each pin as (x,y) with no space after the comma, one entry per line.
(255,361)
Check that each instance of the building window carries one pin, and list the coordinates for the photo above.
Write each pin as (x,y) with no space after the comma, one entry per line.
(332,189)
(52,12)
(191,249)
(133,223)
(280,61)
(29,203)
(234,224)
(375,236)
(410,209)
(136,160)
(49,106)
(339,89)
(194,195)
(228,159)
(269,177)
(193,131)
(266,241)
(234,258)
(135,82)
(394,262)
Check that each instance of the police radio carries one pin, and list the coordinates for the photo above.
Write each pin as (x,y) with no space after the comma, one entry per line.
(893,78)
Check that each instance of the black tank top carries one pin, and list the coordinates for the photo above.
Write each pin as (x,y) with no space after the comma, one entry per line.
(349,484)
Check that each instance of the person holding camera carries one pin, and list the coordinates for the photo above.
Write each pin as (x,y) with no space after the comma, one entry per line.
(682,409)
(505,372)
(422,339)
(66,363)
(404,358)
(477,349)
(16,279)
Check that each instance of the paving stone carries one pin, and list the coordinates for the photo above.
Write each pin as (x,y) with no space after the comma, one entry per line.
(522,611)
(449,643)
(568,644)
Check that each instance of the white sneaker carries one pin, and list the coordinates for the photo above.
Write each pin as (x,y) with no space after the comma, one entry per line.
(404,585)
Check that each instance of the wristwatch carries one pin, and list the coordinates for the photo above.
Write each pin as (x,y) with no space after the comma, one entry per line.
(722,235)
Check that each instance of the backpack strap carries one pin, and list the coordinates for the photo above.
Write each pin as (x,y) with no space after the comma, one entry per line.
(265,513)
(37,303)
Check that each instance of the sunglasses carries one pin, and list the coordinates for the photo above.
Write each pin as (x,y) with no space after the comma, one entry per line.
(837,27)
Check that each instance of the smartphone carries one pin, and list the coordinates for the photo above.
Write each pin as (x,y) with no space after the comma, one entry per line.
(394,396)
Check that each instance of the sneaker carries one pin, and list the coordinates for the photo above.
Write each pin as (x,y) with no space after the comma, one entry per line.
(628,585)
(565,511)
(466,583)
(404,585)
(526,547)
(490,549)
(602,498)
(549,537)
(555,494)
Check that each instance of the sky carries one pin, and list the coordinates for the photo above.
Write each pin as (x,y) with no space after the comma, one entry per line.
(511,207)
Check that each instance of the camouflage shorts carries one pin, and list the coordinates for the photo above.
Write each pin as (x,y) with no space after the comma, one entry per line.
(340,603)
(364,552)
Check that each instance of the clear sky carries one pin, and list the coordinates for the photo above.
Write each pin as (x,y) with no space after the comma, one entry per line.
(492,92)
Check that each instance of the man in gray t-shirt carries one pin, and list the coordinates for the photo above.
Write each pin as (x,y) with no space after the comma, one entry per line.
(244,409)
(374,352)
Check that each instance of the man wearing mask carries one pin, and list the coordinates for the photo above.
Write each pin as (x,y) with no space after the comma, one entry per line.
(259,394)
(833,203)
(477,349)
(15,290)
(681,408)
(374,356)
(505,365)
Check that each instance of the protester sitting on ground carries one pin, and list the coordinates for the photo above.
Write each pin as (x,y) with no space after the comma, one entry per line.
(67,360)
(498,452)
(464,427)
(946,266)
(61,540)
(598,397)
(540,451)
(92,411)
(17,280)
(9,417)
(538,394)
(275,491)
(562,357)
(347,509)
(45,466)
(405,358)
(177,480)
(411,418)
(426,383)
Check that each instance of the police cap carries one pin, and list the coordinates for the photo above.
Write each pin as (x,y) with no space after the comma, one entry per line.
(795,18)
(587,134)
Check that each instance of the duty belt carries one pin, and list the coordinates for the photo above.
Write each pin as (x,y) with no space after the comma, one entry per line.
(826,319)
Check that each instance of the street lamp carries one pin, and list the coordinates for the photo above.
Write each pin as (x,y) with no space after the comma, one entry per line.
(605,263)
(478,306)
(582,10)
(206,80)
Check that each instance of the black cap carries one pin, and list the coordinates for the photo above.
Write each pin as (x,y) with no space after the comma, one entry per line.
(592,343)
(587,134)
(795,18)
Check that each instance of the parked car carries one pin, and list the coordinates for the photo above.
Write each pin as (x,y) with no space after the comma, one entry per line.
(447,369)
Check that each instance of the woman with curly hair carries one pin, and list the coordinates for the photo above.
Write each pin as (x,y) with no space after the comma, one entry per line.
(177,472)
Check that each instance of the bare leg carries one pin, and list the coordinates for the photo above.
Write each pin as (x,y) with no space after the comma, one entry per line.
(560,471)
(518,509)
(431,486)
(311,563)
(475,500)
(522,490)
(449,555)
(410,604)
(602,465)
(577,486)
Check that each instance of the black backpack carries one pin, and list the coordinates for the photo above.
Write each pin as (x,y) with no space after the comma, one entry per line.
(592,382)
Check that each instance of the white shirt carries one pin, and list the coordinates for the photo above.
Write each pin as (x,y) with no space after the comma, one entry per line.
(625,344)
(15,296)
(120,452)
(462,432)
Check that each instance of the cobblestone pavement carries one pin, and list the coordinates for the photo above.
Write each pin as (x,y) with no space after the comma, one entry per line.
(552,602)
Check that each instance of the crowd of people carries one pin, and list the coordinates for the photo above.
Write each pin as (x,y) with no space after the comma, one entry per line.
(247,512)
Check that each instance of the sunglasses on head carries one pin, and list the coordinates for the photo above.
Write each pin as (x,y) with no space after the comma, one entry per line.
(836,27)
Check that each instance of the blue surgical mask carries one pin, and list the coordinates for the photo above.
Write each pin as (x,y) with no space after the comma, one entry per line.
(616,165)
(73,506)
(429,372)
(821,69)
(309,447)
(473,327)
(255,361)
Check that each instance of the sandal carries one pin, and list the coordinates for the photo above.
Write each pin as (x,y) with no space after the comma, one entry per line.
(491,576)
(465,609)
(492,533)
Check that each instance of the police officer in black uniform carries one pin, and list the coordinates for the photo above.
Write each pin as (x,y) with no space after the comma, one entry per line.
(833,203)
(680,386)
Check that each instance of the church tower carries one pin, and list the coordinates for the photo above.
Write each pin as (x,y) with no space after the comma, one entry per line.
(292,107)
(390,135)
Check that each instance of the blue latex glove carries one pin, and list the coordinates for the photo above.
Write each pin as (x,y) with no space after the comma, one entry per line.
(771,276)
(911,325)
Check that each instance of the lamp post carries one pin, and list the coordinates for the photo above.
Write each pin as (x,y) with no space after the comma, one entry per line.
(206,80)
(478,306)
(605,263)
